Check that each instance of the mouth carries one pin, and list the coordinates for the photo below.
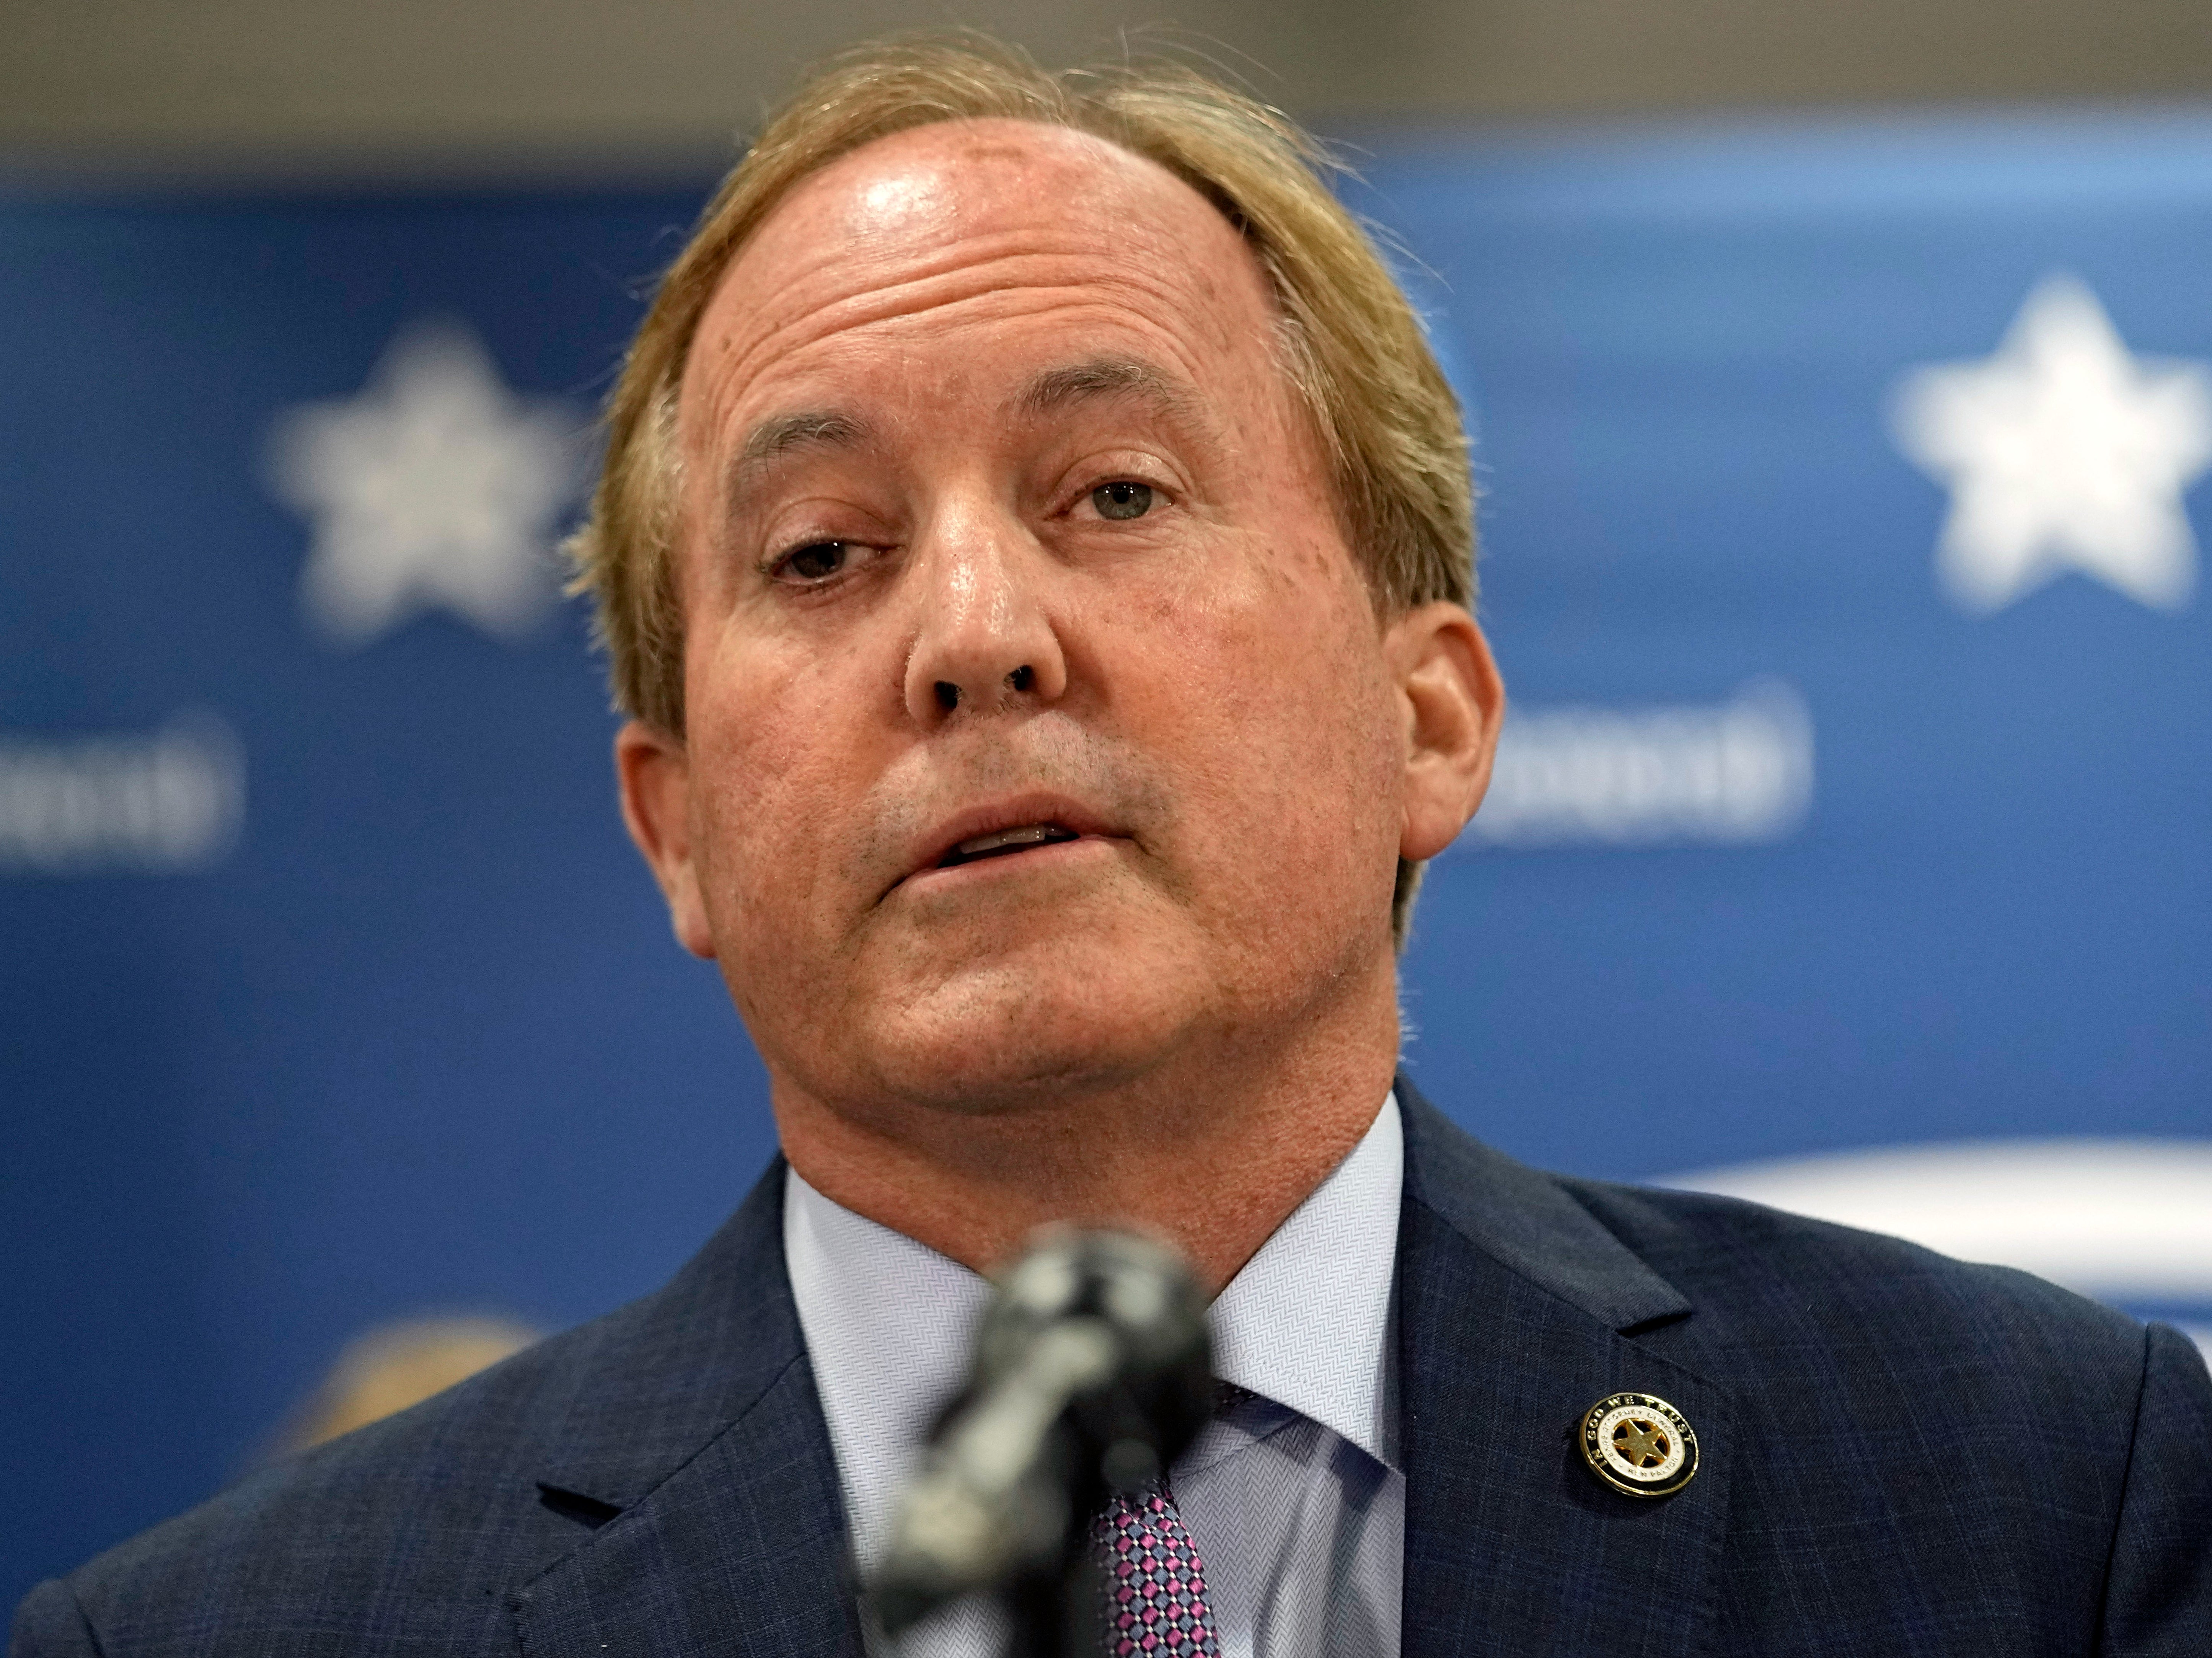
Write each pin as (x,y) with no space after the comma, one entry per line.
(1003,843)
(1040,825)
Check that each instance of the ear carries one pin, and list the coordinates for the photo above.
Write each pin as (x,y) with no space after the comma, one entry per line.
(1454,703)
(655,773)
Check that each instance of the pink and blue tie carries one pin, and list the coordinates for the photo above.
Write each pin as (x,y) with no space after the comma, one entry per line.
(1154,1587)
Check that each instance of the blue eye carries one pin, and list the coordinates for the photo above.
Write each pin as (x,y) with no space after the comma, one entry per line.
(816,562)
(1122,499)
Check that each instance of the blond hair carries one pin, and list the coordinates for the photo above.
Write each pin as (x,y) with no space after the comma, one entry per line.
(1352,347)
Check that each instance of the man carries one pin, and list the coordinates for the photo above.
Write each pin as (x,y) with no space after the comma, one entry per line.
(1035,551)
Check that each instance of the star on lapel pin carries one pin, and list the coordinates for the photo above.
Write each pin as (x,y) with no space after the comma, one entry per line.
(1638,1444)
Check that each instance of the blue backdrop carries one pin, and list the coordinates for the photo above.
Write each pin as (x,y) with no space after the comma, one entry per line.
(1856,807)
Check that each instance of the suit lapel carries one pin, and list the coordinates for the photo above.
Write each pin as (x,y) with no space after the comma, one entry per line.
(705,1458)
(1517,1311)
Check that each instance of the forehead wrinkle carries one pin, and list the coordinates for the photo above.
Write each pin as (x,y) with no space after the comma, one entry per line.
(1002,282)
(1006,187)
(1091,306)
(792,296)
(819,263)
(788,289)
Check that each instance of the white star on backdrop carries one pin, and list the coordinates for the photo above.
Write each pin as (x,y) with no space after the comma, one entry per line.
(435,487)
(2063,452)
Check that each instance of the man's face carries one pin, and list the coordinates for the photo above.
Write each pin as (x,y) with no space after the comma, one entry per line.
(1040,727)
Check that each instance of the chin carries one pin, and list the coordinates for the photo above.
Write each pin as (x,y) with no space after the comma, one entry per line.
(1000,1036)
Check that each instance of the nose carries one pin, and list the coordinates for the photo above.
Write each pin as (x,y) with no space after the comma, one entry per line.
(983,637)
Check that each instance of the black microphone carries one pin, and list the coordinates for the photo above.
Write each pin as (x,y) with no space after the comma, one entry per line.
(1093,1372)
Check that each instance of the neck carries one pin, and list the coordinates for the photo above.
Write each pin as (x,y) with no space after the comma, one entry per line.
(1213,1157)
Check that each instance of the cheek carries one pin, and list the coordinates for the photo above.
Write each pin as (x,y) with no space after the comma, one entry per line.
(1269,698)
(773,775)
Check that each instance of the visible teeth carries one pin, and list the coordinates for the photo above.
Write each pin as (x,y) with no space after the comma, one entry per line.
(1009,840)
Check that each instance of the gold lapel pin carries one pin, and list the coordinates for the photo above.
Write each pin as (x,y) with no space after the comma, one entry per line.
(1639,1445)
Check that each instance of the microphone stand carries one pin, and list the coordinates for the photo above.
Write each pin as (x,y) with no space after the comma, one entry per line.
(1055,1615)
(1093,1372)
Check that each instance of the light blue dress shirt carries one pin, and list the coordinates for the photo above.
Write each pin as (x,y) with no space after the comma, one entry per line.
(1294,1497)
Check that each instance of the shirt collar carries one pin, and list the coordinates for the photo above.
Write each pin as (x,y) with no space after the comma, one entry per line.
(1307,1321)
(888,1322)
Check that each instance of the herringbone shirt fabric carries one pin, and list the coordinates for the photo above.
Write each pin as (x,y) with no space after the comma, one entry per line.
(1289,1496)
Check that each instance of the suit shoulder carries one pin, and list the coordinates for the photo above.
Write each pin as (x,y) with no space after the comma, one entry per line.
(414,1533)
(1761,1276)
(434,1509)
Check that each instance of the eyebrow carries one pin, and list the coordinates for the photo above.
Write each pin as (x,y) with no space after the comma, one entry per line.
(1054,389)
(780,435)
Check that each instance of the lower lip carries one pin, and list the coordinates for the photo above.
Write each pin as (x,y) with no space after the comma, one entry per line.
(1051,854)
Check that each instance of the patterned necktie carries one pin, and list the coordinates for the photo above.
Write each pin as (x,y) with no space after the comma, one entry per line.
(1154,1588)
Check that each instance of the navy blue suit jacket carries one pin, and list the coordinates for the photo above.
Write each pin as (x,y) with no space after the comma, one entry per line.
(1899,1454)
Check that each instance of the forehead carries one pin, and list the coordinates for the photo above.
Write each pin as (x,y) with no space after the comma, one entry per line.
(1016,233)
